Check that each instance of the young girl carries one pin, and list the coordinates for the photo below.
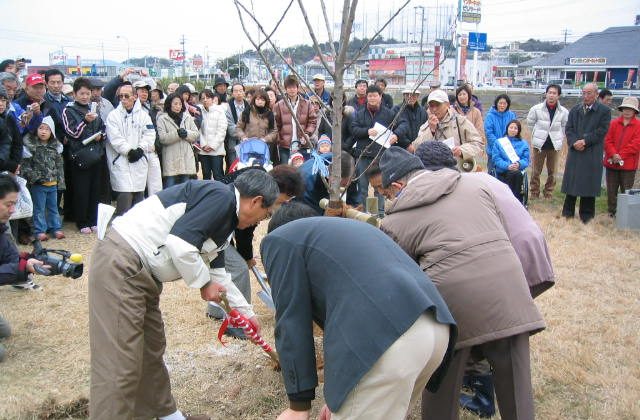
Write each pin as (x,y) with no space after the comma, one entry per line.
(44,171)
(212,133)
(510,157)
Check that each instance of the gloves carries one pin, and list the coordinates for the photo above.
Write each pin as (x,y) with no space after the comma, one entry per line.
(135,155)
(182,133)
(339,212)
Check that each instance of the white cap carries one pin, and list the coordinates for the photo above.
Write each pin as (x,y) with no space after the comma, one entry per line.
(192,88)
(411,91)
(141,84)
(49,121)
(318,76)
(438,95)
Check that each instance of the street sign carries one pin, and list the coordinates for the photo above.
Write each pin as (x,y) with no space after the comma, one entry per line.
(477,41)
(470,11)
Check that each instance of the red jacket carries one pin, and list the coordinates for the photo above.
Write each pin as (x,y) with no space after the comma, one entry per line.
(624,141)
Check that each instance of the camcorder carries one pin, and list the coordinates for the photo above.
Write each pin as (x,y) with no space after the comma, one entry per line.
(60,261)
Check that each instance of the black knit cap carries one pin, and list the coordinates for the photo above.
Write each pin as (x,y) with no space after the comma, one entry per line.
(436,155)
(395,163)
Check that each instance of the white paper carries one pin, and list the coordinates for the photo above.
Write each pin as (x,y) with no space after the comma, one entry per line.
(508,149)
(451,142)
(105,212)
(94,107)
(90,139)
(383,135)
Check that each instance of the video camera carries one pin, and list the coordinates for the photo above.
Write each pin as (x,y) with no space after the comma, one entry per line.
(69,265)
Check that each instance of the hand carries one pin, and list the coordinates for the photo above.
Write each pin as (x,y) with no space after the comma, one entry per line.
(372,132)
(290,414)
(17,172)
(35,108)
(251,263)
(182,133)
(211,291)
(207,148)
(393,139)
(336,212)
(457,151)
(90,116)
(433,122)
(579,145)
(99,138)
(514,166)
(616,158)
(32,261)
(325,413)
(126,72)
(144,73)
(411,149)
(25,117)
(135,155)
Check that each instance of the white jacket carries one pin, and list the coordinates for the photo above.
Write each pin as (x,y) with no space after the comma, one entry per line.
(541,126)
(125,132)
(213,130)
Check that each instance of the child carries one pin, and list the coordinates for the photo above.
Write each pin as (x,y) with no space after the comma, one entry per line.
(45,173)
(324,144)
(296,159)
(510,155)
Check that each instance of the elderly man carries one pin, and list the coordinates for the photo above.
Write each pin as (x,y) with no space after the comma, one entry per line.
(181,232)
(414,115)
(586,127)
(449,224)
(386,328)
(130,138)
(142,90)
(319,90)
(547,122)
(32,101)
(446,126)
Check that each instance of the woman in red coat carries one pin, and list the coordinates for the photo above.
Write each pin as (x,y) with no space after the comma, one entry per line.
(621,150)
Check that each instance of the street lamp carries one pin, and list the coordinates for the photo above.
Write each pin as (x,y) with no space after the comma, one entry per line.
(126,39)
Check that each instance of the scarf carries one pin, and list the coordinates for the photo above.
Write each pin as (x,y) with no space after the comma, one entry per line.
(177,118)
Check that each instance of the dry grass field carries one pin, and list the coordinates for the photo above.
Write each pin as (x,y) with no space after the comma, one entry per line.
(585,364)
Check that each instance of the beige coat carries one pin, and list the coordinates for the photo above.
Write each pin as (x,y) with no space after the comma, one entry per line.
(258,126)
(450,225)
(177,153)
(474,115)
(457,127)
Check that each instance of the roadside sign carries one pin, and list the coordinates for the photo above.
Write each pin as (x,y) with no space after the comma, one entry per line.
(477,41)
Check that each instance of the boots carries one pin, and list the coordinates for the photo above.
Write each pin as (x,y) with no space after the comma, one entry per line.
(481,402)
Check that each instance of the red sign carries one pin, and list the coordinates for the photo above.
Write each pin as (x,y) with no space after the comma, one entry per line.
(176,55)
(390,64)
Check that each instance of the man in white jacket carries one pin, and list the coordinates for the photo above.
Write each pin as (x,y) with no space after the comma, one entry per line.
(130,136)
(546,121)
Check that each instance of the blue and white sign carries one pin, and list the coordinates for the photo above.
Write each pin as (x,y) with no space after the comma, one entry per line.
(477,41)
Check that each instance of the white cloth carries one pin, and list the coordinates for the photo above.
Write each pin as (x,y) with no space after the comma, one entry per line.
(213,130)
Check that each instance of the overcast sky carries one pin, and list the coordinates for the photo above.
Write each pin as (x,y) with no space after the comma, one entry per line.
(35,28)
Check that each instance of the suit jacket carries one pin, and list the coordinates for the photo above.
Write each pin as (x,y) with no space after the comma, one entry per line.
(357,285)
(234,111)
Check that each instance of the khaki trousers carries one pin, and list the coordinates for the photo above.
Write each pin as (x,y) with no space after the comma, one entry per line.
(397,379)
(128,376)
(509,358)
(539,158)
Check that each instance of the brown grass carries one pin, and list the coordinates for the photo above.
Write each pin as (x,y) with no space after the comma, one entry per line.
(584,365)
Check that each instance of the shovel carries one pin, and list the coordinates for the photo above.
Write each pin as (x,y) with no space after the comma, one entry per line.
(265,293)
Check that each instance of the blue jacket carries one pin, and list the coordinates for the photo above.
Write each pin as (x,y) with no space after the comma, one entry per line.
(314,188)
(502,162)
(495,126)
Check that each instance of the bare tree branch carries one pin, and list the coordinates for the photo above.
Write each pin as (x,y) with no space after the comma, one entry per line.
(316,44)
(329,32)
(366,45)
(268,37)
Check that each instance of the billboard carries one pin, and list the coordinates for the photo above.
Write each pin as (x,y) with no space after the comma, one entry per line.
(176,55)
(469,11)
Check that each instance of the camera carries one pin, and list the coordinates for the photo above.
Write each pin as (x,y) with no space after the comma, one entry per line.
(24,60)
(67,264)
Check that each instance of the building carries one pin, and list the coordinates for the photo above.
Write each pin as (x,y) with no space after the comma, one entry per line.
(610,58)
(82,67)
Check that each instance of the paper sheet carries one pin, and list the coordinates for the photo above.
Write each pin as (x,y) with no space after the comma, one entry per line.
(383,135)
(105,212)
(508,149)
(450,142)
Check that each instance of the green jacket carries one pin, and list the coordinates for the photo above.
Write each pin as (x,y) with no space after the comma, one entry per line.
(45,163)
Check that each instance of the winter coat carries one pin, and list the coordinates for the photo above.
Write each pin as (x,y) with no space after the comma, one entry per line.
(500,159)
(213,130)
(624,141)
(414,116)
(459,128)
(524,233)
(7,163)
(387,100)
(16,134)
(495,126)
(306,116)
(541,126)
(449,224)
(258,125)
(125,132)
(474,115)
(364,120)
(177,153)
(77,129)
(353,102)
(56,108)
(583,170)
(45,163)
(12,265)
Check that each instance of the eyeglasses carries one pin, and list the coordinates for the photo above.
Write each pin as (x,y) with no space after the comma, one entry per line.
(124,96)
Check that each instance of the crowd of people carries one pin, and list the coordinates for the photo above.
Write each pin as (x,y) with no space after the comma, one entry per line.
(399,305)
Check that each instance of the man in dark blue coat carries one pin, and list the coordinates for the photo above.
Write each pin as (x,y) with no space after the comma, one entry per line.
(387,331)
(414,115)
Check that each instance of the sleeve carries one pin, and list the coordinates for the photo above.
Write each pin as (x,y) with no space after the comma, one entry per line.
(60,172)
(631,148)
(115,137)
(473,144)
(244,242)
(609,146)
(147,142)
(524,157)
(570,131)
(167,134)
(498,158)
(272,135)
(424,134)
(312,119)
(490,131)
(277,115)
(221,127)
(285,265)
(240,127)
(13,266)
(231,125)
(597,135)
(359,129)
(74,123)
(110,89)
(192,130)
(531,118)
(234,296)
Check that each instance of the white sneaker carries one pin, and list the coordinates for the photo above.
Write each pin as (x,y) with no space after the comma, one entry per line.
(28,285)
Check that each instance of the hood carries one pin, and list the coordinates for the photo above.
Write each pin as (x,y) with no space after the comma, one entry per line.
(31,142)
(499,114)
(425,188)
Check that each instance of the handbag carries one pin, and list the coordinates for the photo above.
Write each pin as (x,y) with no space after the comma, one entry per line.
(24,205)
(88,156)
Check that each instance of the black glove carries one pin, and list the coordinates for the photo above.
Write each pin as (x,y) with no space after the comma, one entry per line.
(182,133)
(135,155)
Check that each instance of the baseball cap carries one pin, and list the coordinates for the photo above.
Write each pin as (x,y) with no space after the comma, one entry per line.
(34,79)
(142,84)
(438,95)
(411,91)
(318,76)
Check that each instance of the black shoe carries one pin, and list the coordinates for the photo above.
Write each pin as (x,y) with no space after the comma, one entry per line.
(481,402)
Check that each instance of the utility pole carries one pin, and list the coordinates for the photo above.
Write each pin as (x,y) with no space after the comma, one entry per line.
(184,57)
(566,32)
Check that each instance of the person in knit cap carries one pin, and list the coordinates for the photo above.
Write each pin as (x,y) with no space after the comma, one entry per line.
(324,144)
(296,159)
(436,155)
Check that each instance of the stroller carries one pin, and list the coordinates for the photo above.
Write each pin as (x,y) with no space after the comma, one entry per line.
(252,152)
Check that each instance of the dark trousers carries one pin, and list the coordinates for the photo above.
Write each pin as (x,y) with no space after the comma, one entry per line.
(587,208)
(509,358)
(212,167)
(86,184)
(172,180)
(126,200)
(514,180)
(618,180)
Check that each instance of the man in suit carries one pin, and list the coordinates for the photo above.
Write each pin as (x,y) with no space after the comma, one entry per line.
(386,328)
